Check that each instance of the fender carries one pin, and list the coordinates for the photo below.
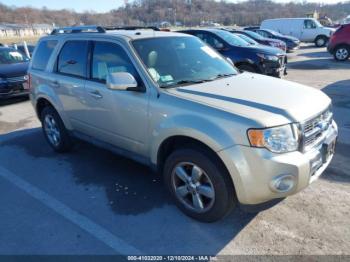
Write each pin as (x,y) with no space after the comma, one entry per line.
(195,127)
(46,92)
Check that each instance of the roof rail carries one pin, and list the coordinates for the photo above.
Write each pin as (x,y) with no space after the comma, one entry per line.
(78,29)
(154,28)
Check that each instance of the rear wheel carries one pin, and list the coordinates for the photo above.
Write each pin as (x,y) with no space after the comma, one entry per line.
(200,187)
(54,130)
(321,41)
(342,53)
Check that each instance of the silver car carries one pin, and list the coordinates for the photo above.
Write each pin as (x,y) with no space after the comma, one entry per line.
(216,136)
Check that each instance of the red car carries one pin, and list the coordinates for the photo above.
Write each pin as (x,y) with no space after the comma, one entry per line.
(339,43)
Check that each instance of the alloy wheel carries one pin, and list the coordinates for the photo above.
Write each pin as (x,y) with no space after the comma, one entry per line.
(193,187)
(52,131)
(342,53)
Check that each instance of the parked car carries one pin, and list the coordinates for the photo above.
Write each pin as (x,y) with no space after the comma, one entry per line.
(13,73)
(262,40)
(339,44)
(304,29)
(216,136)
(256,59)
(291,42)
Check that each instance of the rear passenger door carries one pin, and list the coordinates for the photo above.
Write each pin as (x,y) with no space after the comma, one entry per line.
(69,80)
(114,116)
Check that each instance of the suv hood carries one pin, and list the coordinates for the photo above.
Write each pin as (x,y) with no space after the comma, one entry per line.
(266,100)
(267,50)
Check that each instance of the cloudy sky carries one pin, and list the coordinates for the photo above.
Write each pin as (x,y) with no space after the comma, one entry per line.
(103,5)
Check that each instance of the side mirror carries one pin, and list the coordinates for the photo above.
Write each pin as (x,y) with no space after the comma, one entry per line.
(122,81)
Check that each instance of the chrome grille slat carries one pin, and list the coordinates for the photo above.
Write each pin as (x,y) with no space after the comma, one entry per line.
(315,128)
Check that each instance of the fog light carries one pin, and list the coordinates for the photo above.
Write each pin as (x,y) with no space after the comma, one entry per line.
(283,183)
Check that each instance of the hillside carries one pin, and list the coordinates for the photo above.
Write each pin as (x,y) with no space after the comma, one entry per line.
(186,12)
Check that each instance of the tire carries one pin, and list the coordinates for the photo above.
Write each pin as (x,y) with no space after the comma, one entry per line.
(217,202)
(52,126)
(247,68)
(321,41)
(341,53)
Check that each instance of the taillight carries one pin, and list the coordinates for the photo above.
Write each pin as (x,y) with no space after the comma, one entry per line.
(28,84)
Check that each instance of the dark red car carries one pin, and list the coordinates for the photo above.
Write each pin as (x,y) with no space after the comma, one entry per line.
(339,43)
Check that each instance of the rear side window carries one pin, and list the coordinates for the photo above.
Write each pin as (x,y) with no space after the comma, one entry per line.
(72,59)
(43,53)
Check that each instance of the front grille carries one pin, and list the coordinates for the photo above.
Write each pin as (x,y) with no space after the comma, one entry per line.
(315,128)
(17,79)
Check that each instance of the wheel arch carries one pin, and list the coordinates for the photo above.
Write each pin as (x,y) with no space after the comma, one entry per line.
(172,143)
(42,102)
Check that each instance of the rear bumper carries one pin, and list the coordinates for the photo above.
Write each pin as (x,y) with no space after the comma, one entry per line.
(254,171)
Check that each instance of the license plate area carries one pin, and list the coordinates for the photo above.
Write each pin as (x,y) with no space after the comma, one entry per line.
(328,148)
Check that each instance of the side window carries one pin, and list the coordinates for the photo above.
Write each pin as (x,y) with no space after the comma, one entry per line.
(110,58)
(309,24)
(43,53)
(72,59)
(211,40)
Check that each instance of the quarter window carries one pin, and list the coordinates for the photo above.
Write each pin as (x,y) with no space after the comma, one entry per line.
(110,58)
(72,59)
(43,53)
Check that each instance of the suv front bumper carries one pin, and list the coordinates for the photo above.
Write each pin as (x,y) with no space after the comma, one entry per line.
(254,170)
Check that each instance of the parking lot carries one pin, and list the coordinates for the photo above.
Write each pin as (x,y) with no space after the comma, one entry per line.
(91,201)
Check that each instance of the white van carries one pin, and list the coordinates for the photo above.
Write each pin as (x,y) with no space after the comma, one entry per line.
(305,29)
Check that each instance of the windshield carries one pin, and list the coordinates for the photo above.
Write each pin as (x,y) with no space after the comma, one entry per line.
(248,39)
(231,38)
(173,61)
(254,35)
(12,56)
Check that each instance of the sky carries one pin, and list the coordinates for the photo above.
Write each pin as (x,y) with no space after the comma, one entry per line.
(99,6)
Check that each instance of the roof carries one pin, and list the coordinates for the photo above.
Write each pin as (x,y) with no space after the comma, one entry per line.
(129,34)
(140,34)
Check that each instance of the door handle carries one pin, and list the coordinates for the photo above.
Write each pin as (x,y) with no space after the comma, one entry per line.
(95,94)
(55,83)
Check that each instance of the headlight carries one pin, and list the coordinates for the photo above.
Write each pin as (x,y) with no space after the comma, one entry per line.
(268,57)
(280,139)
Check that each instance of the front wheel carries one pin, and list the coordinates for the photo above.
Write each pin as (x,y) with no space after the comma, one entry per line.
(342,53)
(201,188)
(321,41)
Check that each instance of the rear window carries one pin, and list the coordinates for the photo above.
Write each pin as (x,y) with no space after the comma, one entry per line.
(43,53)
(72,59)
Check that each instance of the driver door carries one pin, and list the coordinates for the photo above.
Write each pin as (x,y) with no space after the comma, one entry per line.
(117,117)
(309,30)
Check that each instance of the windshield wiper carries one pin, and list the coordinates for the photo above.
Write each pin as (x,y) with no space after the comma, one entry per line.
(184,82)
(223,75)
